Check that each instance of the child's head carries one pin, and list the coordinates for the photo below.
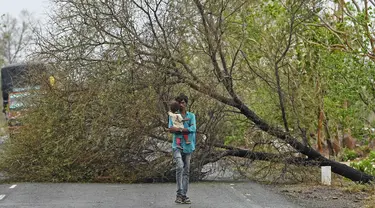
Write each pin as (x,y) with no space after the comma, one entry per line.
(174,106)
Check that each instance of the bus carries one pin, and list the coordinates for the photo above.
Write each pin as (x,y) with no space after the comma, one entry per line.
(16,80)
(17,106)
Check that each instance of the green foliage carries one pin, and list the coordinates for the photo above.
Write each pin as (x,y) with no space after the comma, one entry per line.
(236,131)
(74,133)
(348,154)
(366,165)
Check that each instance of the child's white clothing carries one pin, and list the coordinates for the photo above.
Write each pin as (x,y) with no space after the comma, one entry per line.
(176,120)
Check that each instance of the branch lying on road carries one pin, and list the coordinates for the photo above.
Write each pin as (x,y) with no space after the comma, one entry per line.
(272,157)
(238,152)
(339,168)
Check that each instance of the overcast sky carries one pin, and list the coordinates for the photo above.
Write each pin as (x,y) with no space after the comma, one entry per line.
(14,7)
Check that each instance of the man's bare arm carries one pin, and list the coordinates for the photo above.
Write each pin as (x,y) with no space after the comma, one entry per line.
(173,129)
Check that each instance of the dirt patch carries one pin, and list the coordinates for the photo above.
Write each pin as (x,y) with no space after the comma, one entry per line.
(314,196)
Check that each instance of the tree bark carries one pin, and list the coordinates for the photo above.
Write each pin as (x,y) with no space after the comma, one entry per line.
(320,124)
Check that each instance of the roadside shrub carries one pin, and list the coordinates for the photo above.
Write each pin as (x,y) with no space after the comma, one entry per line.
(349,154)
(366,165)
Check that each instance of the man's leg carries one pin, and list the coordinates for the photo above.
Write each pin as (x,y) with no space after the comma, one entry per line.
(185,175)
(179,174)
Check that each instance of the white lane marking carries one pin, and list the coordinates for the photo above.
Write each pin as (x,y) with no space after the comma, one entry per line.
(13,186)
(244,196)
(2,197)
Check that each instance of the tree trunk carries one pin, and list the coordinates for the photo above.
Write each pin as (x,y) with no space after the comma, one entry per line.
(347,140)
(320,124)
(328,137)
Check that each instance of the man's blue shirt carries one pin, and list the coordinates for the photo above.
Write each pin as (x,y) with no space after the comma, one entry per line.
(192,128)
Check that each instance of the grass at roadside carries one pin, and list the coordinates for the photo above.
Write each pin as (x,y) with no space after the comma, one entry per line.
(368,189)
(342,193)
(303,186)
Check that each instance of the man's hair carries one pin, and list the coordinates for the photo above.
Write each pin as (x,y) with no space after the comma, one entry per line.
(174,106)
(182,97)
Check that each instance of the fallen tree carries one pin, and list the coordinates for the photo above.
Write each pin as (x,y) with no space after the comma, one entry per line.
(242,54)
(338,168)
(223,73)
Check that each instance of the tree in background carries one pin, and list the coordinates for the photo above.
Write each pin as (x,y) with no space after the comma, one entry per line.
(16,36)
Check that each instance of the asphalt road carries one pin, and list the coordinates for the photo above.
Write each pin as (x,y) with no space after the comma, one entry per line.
(203,194)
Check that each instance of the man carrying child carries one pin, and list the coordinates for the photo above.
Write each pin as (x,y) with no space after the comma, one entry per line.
(182,155)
